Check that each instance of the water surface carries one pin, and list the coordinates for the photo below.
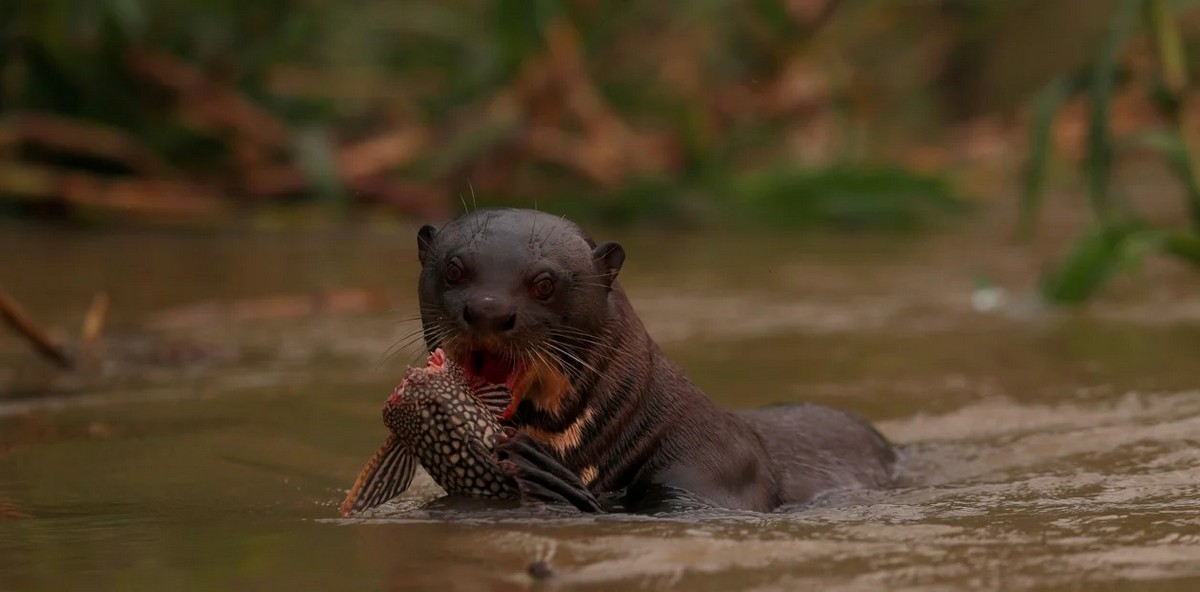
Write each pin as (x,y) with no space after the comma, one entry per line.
(213,447)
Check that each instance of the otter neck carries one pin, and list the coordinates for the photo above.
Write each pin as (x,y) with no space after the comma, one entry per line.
(604,426)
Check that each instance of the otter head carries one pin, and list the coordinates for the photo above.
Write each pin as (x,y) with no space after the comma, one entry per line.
(514,296)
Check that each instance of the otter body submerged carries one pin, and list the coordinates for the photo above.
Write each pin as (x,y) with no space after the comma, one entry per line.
(438,419)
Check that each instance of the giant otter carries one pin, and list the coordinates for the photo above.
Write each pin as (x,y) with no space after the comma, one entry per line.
(529,299)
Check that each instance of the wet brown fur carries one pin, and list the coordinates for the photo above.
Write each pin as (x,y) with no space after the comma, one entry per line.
(628,418)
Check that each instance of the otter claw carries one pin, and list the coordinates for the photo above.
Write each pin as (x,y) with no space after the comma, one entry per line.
(509,468)
(540,478)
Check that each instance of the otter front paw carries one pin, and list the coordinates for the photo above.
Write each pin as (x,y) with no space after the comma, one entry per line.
(540,477)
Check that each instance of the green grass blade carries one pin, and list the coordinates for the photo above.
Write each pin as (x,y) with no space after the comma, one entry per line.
(1046,106)
(1099,141)
(1172,66)
(1183,246)
(1091,262)
(1173,147)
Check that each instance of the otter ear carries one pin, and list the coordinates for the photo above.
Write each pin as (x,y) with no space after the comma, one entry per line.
(424,240)
(609,257)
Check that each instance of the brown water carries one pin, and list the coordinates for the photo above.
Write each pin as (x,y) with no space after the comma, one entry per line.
(1051,450)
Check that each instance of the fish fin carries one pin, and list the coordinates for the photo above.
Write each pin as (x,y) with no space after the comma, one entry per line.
(495,397)
(389,472)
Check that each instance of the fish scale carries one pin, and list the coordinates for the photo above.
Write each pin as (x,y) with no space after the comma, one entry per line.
(438,420)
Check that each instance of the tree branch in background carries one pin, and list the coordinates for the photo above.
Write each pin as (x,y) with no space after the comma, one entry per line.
(355,162)
(79,138)
(208,105)
(27,328)
(23,181)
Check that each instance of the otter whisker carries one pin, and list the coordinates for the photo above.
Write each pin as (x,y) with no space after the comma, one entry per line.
(448,345)
(555,228)
(541,355)
(416,331)
(395,350)
(576,330)
(566,349)
(437,334)
(391,355)
(404,339)
(581,342)
(576,345)
(533,227)
(400,346)
(406,320)
(433,312)
(486,220)
(555,360)
(411,338)
(578,367)
(581,337)
(564,352)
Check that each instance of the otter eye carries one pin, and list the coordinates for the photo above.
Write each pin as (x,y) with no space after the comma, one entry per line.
(454,271)
(542,288)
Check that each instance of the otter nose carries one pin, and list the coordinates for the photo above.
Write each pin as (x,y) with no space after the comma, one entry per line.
(490,315)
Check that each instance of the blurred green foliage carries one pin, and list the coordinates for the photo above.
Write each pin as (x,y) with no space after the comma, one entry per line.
(769,105)
(1120,237)
(772,113)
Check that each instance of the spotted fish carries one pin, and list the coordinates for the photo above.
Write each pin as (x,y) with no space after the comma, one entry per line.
(439,420)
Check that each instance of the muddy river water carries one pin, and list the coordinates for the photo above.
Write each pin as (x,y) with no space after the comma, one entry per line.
(211,448)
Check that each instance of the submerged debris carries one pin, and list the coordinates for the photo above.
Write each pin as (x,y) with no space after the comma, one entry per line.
(540,570)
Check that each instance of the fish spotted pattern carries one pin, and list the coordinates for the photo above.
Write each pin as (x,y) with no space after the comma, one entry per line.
(438,419)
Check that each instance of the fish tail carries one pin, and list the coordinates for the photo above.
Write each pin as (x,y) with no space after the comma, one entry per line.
(389,472)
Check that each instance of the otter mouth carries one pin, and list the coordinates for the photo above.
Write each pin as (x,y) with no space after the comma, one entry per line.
(492,368)
(483,366)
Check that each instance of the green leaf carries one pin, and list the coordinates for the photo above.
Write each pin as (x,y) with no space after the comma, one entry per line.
(1133,248)
(1169,145)
(1088,266)
(1046,105)
(129,15)
(520,25)
(1183,246)
(1099,141)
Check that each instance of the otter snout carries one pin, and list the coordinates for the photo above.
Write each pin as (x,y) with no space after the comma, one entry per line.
(489,314)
